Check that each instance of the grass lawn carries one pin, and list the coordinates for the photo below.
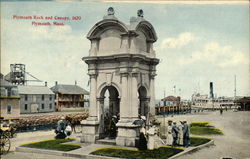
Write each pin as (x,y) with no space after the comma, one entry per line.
(204,128)
(159,153)
(196,141)
(54,144)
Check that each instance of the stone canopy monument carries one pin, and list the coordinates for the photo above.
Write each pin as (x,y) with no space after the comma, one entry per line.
(121,61)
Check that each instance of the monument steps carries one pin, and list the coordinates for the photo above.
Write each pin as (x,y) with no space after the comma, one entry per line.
(106,141)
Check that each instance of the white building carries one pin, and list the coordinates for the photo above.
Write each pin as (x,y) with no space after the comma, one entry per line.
(36,99)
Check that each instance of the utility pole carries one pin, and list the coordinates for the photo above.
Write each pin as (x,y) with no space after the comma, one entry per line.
(234,86)
(235,91)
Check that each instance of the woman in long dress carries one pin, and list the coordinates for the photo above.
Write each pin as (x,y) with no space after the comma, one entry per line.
(180,134)
(151,138)
(169,133)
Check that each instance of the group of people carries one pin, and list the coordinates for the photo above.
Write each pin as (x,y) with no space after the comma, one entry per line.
(63,129)
(178,135)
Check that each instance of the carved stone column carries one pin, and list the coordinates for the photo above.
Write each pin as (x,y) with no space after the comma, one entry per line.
(100,103)
(124,98)
(127,131)
(134,96)
(90,127)
(92,100)
(152,93)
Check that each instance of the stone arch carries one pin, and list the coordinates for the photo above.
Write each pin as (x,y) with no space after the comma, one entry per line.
(113,108)
(147,29)
(143,108)
(143,85)
(104,84)
(104,25)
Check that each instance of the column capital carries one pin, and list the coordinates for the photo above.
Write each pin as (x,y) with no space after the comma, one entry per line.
(92,75)
(135,74)
(152,75)
(100,98)
(124,74)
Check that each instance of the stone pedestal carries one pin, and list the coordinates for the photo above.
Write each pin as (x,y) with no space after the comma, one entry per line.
(128,134)
(90,131)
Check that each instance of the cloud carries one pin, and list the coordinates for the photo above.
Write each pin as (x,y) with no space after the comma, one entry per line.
(218,55)
(177,42)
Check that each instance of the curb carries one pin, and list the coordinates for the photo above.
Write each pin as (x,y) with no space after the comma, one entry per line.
(60,153)
(210,143)
(88,156)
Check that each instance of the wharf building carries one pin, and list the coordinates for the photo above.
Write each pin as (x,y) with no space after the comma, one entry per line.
(172,105)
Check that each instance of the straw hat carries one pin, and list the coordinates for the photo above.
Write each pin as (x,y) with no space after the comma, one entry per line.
(143,117)
(62,118)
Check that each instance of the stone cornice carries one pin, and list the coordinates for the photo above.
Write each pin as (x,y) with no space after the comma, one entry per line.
(121,58)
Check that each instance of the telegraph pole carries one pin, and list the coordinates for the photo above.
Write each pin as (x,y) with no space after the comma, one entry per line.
(234,86)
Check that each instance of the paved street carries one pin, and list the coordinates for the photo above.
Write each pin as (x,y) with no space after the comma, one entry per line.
(234,143)
(236,139)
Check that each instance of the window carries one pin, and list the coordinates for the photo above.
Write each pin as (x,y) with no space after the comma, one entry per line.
(9,92)
(50,97)
(26,107)
(42,106)
(43,97)
(26,97)
(50,106)
(9,109)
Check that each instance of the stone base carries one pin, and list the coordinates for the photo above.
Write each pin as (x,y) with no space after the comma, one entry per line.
(126,141)
(127,134)
(89,131)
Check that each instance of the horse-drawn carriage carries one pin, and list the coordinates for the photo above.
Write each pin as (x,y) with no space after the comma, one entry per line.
(7,131)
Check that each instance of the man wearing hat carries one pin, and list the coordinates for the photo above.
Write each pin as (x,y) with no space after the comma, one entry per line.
(186,132)
(112,127)
(61,126)
(175,131)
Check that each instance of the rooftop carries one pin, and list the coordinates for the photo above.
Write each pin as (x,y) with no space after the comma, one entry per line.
(34,90)
(171,98)
(68,89)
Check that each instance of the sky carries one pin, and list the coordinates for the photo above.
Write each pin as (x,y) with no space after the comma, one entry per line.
(197,43)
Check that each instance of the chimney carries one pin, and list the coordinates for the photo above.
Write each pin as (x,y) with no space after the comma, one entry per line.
(45,83)
(56,83)
(211,90)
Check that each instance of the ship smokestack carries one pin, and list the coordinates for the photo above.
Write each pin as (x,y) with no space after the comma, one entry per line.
(211,90)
